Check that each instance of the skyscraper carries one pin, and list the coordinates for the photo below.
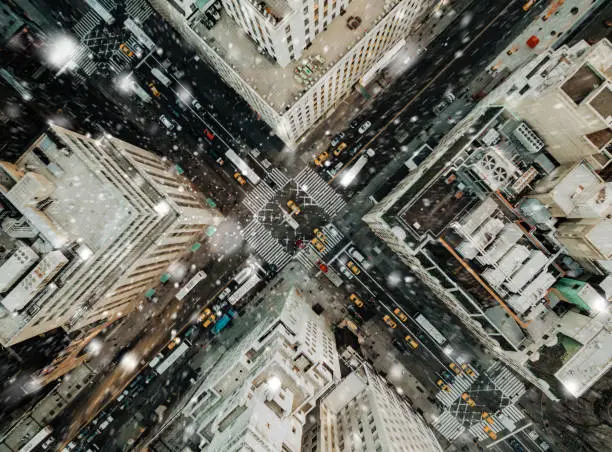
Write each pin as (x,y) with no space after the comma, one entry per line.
(88,225)
(291,60)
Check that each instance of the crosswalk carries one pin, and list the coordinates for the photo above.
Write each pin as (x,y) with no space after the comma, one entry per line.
(139,10)
(324,195)
(257,198)
(278,177)
(458,387)
(477,429)
(266,246)
(82,58)
(85,24)
(308,257)
(514,413)
(333,237)
(505,381)
(449,426)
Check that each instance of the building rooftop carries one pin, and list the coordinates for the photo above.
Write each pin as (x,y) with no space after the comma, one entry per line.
(602,103)
(582,83)
(280,86)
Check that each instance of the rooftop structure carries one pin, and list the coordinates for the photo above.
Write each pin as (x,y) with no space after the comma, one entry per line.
(264,386)
(87,226)
(566,94)
(295,65)
(452,221)
(363,412)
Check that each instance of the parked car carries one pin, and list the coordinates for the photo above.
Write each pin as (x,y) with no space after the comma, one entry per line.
(414,344)
(398,312)
(352,267)
(209,135)
(241,180)
(166,122)
(196,104)
(356,300)
(341,147)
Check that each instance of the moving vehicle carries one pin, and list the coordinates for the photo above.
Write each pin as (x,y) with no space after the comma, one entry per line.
(223,322)
(487,417)
(414,344)
(319,234)
(398,312)
(209,135)
(390,322)
(196,104)
(205,313)
(356,300)
(489,431)
(365,126)
(466,397)
(341,147)
(161,77)
(443,386)
(173,343)
(166,122)
(209,321)
(126,50)
(171,359)
(455,368)
(294,207)
(242,166)
(527,6)
(321,158)
(356,254)
(468,370)
(223,295)
(352,267)
(429,328)
(336,140)
(318,245)
(241,180)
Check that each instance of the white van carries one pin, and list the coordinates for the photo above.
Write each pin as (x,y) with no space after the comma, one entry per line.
(166,122)
(243,275)
(356,254)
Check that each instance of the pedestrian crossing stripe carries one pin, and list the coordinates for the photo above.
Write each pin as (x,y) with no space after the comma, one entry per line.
(266,246)
(322,193)
(257,198)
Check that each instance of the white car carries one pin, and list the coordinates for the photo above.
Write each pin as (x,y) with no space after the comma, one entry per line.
(166,122)
(196,104)
(225,293)
(346,272)
(365,126)
(356,254)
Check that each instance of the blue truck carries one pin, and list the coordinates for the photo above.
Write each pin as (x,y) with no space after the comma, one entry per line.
(223,322)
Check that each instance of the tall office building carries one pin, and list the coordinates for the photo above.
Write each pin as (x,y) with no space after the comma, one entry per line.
(566,94)
(363,412)
(293,61)
(258,394)
(87,226)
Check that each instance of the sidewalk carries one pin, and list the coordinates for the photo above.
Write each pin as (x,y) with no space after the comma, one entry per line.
(339,118)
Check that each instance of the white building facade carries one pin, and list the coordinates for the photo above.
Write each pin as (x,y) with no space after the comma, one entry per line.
(365,413)
(293,61)
(259,393)
(104,219)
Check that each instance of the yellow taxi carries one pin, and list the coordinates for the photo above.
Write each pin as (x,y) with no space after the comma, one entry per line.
(398,312)
(319,234)
(241,180)
(174,342)
(355,299)
(126,50)
(352,267)
(154,89)
(487,417)
(489,431)
(390,322)
(318,245)
(294,207)
(205,313)
(466,397)
(321,158)
(341,147)
(468,370)
(414,344)
(455,368)
(209,321)
(443,385)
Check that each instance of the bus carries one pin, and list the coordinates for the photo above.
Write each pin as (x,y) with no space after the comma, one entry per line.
(242,166)
(172,358)
(244,289)
(37,439)
(430,329)
(199,276)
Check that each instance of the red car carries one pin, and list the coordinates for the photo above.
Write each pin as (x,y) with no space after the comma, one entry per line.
(209,134)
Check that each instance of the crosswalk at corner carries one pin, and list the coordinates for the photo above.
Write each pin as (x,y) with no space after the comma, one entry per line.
(308,257)
(505,381)
(514,413)
(324,195)
(139,10)
(461,383)
(278,177)
(266,246)
(257,198)
(477,429)
(449,426)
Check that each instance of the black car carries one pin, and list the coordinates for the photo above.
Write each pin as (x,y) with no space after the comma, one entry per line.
(354,123)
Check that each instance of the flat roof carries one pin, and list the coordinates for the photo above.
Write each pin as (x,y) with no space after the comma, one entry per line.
(582,83)
(602,103)
(275,84)
(588,365)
